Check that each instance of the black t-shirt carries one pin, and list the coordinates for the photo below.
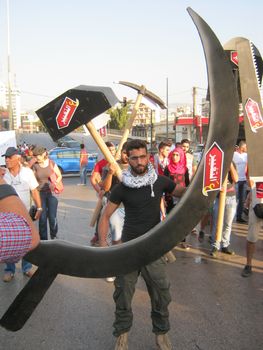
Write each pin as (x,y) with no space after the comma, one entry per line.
(142,211)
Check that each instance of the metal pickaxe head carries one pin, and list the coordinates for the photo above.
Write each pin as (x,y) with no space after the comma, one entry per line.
(142,90)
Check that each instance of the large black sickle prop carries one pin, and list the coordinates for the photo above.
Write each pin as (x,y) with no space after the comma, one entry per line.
(58,257)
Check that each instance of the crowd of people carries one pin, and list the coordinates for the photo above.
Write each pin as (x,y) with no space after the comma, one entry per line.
(28,171)
(139,183)
(149,188)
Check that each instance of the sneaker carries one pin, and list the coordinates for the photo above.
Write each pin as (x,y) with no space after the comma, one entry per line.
(8,276)
(169,257)
(122,342)
(110,279)
(247,271)
(29,273)
(201,236)
(163,342)
(81,185)
(228,251)
(213,252)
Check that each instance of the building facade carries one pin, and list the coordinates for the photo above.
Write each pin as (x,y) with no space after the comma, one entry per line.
(15,102)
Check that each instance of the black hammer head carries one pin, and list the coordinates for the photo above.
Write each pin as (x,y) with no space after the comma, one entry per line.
(74,108)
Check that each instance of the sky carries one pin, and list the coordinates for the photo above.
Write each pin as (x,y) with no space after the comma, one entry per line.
(59,44)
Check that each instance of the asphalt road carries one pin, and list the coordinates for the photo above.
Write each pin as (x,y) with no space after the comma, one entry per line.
(213,307)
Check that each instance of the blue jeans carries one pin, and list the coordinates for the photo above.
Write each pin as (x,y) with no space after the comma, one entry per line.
(241,190)
(49,205)
(11,267)
(229,214)
(83,175)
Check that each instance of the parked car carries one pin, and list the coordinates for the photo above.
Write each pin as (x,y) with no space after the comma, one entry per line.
(68,141)
(67,159)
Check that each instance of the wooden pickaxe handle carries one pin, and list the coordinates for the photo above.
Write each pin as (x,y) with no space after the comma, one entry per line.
(130,121)
(96,213)
(109,157)
(104,149)
(221,211)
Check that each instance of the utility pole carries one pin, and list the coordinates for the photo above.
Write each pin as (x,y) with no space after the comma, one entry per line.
(194,101)
(194,108)
(167,110)
(10,109)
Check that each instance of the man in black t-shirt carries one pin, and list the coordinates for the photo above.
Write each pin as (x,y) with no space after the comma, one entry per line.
(140,192)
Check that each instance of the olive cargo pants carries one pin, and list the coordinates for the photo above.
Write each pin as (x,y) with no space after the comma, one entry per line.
(158,286)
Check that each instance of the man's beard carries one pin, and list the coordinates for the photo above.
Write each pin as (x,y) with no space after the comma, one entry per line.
(139,169)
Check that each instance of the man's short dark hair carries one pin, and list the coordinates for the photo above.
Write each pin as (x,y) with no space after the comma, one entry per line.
(163,144)
(82,145)
(109,144)
(135,144)
(185,141)
(124,147)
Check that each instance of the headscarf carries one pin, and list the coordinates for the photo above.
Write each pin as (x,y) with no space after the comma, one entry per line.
(180,167)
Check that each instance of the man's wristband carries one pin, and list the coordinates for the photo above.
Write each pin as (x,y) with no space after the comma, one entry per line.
(39,209)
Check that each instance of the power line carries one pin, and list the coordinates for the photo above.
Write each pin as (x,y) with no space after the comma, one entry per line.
(35,94)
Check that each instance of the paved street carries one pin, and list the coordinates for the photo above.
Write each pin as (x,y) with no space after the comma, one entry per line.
(213,307)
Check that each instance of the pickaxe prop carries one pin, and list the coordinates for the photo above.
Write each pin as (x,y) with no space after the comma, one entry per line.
(142,91)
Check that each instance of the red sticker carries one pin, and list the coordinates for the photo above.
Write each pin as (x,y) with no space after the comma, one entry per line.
(259,189)
(213,167)
(66,112)
(234,57)
(253,114)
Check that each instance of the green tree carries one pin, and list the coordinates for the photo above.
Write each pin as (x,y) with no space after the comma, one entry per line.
(119,116)
(40,126)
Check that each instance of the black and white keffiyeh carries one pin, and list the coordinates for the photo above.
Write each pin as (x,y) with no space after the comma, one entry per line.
(148,179)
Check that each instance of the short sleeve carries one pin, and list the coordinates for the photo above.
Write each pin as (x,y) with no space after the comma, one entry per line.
(116,194)
(15,237)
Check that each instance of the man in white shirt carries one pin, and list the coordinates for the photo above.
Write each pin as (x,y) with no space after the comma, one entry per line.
(24,182)
(190,161)
(240,160)
(161,159)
